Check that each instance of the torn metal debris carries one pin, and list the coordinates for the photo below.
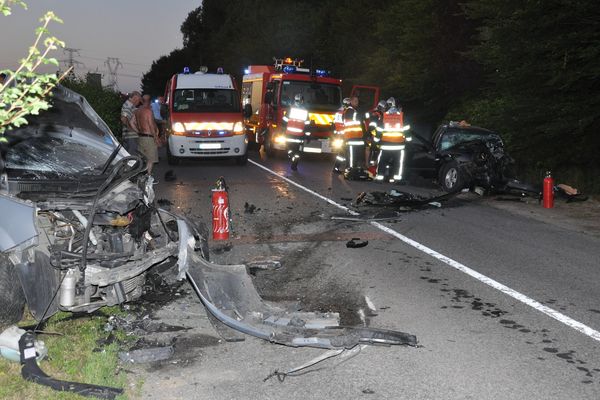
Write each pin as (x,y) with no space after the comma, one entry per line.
(402,201)
(356,243)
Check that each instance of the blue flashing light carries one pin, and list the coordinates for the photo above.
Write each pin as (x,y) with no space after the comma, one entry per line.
(186,70)
(220,70)
(289,69)
(246,71)
(321,72)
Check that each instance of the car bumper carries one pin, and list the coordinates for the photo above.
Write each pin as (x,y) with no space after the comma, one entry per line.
(231,146)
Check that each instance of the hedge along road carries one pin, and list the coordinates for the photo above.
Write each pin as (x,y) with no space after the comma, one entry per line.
(477,342)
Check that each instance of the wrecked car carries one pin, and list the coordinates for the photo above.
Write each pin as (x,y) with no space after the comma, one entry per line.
(460,156)
(80,230)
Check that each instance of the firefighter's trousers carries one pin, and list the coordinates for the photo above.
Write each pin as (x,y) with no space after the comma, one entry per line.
(390,163)
(294,146)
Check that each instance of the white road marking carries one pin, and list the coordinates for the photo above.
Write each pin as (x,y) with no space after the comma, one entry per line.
(586,330)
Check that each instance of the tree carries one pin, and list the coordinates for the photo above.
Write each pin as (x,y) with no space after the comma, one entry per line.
(26,92)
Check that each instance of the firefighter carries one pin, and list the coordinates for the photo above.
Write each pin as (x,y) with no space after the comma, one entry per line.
(338,132)
(391,144)
(354,142)
(295,130)
(375,130)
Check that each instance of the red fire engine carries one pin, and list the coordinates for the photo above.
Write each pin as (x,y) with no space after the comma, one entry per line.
(268,92)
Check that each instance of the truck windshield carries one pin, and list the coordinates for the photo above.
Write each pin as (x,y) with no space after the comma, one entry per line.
(317,96)
(206,100)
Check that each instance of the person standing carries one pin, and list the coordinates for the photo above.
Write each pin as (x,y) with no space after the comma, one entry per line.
(129,132)
(295,129)
(158,118)
(338,132)
(390,161)
(354,142)
(148,135)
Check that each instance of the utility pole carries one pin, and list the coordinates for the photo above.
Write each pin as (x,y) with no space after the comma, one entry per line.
(113,64)
(71,62)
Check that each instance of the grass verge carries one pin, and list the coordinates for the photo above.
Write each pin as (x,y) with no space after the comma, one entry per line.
(80,351)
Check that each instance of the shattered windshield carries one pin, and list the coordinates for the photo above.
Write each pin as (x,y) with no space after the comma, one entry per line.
(206,100)
(317,96)
(68,139)
(453,137)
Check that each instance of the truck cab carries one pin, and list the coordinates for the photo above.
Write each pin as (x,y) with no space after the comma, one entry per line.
(204,117)
(268,92)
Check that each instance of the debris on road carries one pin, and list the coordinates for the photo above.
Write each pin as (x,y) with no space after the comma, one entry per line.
(150,354)
(249,208)
(170,176)
(402,201)
(356,243)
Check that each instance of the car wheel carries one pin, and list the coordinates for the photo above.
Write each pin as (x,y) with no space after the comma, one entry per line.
(12,298)
(451,178)
(242,160)
(171,159)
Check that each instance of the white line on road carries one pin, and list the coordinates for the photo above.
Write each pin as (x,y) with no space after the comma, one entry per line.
(586,330)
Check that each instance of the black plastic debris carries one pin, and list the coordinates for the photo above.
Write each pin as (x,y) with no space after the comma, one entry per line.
(32,372)
(170,176)
(249,208)
(356,243)
(403,201)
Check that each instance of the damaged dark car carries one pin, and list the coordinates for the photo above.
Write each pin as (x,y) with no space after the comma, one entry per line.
(461,156)
(80,230)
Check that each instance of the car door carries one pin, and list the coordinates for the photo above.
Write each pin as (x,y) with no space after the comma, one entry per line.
(421,156)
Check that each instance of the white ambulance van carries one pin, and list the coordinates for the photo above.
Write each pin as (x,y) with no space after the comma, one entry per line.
(204,117)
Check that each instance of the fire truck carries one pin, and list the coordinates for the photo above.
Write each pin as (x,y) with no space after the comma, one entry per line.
(268,92)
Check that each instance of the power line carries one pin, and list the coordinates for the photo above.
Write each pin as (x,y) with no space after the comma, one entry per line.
(71,62)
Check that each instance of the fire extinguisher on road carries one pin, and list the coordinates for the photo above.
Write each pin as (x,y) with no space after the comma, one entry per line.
(220,211)
(548,191)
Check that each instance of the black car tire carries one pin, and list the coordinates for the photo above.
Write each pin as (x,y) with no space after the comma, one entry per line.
(171,159)
(451,179)
(12,298)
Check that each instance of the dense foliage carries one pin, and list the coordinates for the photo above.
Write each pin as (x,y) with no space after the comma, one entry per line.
(526,68)
(105,101)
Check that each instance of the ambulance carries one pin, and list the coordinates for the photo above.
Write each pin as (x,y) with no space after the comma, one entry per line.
(204,117)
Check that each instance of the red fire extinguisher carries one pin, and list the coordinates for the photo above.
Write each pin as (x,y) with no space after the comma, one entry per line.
(220,211)
(548,191)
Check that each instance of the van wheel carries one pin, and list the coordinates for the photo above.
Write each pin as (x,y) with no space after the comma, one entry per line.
(242,160)
(12,298)
(171,159)
(269,149)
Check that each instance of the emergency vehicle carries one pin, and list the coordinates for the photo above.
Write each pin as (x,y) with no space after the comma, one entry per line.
(204,117)
(268,92)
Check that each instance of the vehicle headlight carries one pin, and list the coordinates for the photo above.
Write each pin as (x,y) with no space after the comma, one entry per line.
(178,127)
(337,143)
(280,139)
(238,128)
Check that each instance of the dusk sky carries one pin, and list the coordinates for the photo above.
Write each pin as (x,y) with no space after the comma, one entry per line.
(135,31)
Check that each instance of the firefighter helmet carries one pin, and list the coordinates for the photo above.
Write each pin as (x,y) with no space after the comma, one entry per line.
(346,101)
(382,105)
(391,102)
(298,99)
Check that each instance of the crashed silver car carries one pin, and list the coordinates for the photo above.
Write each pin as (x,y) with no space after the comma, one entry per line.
(80,230)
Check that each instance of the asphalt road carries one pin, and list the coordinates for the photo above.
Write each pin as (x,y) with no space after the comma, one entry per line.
(476,284)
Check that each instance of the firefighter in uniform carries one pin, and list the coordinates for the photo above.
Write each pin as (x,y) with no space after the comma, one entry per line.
(295,130)
(338,132)
(391,144)
(354,142)
(375,130)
